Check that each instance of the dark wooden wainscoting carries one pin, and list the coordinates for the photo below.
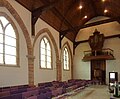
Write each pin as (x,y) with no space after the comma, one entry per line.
(98,70)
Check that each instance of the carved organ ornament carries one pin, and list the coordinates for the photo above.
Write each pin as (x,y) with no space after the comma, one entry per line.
(96,41)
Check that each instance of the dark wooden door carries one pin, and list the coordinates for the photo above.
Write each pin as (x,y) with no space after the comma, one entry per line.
(98,70)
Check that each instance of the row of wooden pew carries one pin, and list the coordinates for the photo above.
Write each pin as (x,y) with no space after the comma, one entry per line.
(45,90)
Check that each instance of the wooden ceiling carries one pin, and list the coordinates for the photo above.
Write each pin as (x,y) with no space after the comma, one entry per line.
(66,16)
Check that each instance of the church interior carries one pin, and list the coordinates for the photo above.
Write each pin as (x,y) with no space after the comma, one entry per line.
(59,49)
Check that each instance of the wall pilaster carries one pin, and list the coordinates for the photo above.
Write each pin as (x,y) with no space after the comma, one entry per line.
(31,69)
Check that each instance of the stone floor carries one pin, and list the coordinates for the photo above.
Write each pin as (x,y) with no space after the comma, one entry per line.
(93,92)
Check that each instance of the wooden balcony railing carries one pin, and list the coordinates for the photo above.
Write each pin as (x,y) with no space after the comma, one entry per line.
(106,54)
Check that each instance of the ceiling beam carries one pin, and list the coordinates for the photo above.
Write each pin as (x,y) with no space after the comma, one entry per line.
(112,36)
(92,24)
(59,15)
(107,37)
(45,8)
(37,12)
(66,13)
(63,19)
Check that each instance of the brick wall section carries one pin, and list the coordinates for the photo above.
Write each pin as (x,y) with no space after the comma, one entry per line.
(31,69)
(59,70)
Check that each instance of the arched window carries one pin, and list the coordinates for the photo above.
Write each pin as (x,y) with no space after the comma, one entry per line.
(65,59)
(45,53)
(8,41)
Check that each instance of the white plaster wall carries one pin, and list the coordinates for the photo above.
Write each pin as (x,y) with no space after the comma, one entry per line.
(66,75)
(81,70)
(10,76)
(107,29)
(43,75)
(113,65)
(98,18)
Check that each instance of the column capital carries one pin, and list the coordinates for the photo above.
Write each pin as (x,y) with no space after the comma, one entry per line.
(30,56)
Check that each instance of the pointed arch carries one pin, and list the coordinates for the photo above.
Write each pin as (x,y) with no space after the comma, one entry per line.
(58,64)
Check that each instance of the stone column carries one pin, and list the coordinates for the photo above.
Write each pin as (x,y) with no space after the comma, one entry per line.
(31,69)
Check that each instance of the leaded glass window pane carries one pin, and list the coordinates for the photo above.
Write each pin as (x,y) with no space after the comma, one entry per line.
(1,38)
(1,48)
(45,40)
(10,50)
(42,57)
(42,44)
(48,64)
(48,46)
(1,29)
(10,41)
(10,59)
(43,64)
(4,20)
(45,53)
(48,59)
(48,53)
(42,51)
(10,31)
